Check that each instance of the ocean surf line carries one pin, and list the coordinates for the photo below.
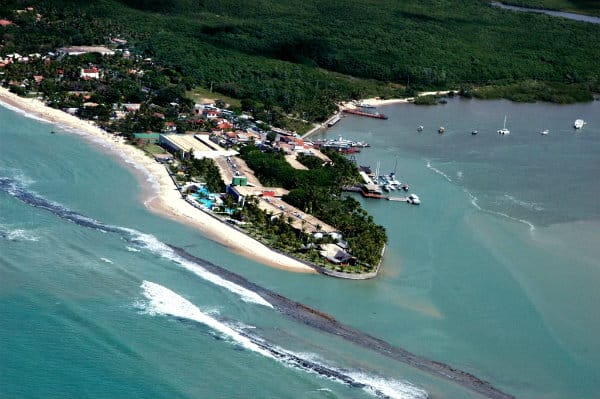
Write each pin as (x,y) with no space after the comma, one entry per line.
(252,292)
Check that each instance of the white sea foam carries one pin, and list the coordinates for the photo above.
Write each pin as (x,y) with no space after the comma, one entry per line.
(390,388)
(21,235)
(24,113)
(154,245)
(106,260)
(132,249)
(163,301)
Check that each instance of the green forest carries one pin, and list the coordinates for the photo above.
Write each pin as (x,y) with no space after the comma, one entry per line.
(302,57)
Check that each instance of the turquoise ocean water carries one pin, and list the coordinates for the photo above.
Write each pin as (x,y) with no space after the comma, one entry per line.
(495,273)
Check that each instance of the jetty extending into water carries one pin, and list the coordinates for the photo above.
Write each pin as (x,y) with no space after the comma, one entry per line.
(377,115)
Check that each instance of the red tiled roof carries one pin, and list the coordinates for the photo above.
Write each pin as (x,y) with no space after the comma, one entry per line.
(5,22)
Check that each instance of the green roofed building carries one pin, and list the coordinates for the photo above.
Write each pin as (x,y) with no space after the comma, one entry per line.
(239,181)
(148,137)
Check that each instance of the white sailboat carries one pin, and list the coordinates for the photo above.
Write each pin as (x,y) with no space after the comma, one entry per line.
(504,130)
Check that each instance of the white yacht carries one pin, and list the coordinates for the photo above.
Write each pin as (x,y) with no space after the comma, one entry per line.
(393,182)
(504,130)
(413,199)
(545,132)
(420,128)
(578,124)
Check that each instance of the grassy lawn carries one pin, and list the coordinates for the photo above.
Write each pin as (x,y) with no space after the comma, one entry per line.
(200,93)
(153,149)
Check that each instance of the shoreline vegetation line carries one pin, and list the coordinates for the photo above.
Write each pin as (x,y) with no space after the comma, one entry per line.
(166,199)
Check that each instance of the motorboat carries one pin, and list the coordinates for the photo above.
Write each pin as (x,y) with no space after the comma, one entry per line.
(392,181)
(413,199)
(474,132)
(441,130)
(545,132)
(504,130)
(420,128)
(578,124)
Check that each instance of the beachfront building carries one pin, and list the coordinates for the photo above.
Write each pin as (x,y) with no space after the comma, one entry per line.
(199,144)
(79,50)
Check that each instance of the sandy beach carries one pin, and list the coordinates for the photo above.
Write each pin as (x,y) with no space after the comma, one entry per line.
(164,198)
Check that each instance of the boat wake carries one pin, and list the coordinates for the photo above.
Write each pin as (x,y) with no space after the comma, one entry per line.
(533,206)
(163,301)
(145,241)
(475,201)
(439,172)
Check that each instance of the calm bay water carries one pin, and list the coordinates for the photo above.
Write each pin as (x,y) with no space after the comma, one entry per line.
(495,273)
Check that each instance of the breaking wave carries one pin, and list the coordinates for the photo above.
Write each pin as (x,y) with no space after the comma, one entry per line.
(152,244)
(23,113)
(17,235)
(163,301)
(146,241)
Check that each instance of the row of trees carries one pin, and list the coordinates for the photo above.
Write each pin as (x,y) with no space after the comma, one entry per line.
(289,67)
(318,191)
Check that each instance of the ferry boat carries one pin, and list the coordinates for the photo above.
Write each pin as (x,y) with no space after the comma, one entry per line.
(578,124)
(504,130)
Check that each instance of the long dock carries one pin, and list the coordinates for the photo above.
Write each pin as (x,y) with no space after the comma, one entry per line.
(398,199)
(377,115)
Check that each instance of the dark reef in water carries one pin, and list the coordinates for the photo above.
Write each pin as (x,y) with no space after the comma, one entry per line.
(329,324)
(294,310)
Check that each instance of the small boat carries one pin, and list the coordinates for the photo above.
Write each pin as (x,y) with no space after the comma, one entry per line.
(504,130)
(474,132)
(52,132)
(420,128)
(545,132)
(441,130)
(413,199)
(578,124)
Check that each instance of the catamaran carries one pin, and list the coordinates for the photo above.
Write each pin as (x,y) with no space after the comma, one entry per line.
(504,130)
